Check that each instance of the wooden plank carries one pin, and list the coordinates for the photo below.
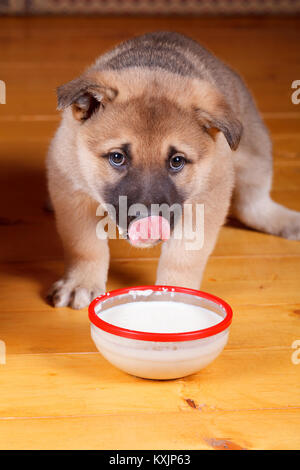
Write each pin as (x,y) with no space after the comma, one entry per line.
(36,95)
(264,294)
(289,198)
(287,177)
(259,66)
(242,241)
(258,280)
(85,385)
(48,330)
(245,380)
(245,281)
(55,390)
(102,32)
(283,125)
(264,327)
(287,149)
(264,429)
(77,384)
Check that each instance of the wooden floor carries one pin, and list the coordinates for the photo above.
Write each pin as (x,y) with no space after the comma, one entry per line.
(56,391)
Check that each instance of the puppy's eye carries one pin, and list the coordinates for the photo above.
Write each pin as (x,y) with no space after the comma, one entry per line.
(117,159)
(177,162)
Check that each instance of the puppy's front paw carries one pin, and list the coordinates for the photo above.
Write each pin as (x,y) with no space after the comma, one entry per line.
(291,231)
(66,292)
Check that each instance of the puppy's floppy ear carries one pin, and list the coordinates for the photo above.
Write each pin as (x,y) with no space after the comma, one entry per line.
(85,95)
(215,113)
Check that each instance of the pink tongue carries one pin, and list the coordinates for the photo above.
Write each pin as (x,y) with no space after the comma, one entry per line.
(154,227)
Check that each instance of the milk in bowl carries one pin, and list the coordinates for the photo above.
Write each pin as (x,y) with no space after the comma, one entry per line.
(159,332)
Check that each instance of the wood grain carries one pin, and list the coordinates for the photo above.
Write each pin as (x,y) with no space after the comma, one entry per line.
(86,384)
(56,391)
(262,429)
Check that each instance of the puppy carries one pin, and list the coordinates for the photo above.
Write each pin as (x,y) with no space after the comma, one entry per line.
(160,120)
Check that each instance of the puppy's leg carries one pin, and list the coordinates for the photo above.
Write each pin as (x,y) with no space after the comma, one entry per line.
(252,203)
(86,256)
(181,266)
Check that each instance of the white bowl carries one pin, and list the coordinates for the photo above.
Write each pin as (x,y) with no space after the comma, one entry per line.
(159,355)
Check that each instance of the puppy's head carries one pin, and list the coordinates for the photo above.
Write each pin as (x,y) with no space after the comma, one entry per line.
(153,147)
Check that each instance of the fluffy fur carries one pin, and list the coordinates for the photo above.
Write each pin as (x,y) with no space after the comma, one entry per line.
(154,93)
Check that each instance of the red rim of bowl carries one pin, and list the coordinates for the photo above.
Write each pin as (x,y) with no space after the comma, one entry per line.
(160,337)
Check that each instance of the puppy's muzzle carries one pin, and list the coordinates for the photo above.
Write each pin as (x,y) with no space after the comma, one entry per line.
(148,230)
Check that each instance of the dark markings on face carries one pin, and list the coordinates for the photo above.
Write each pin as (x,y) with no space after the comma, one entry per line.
(126,149)
(144,187)
(174,151)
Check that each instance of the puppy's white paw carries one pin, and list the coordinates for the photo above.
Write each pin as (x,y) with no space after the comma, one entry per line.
(65,293)
(292,229)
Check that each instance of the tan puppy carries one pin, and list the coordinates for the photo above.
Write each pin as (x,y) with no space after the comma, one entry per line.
(160,120)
